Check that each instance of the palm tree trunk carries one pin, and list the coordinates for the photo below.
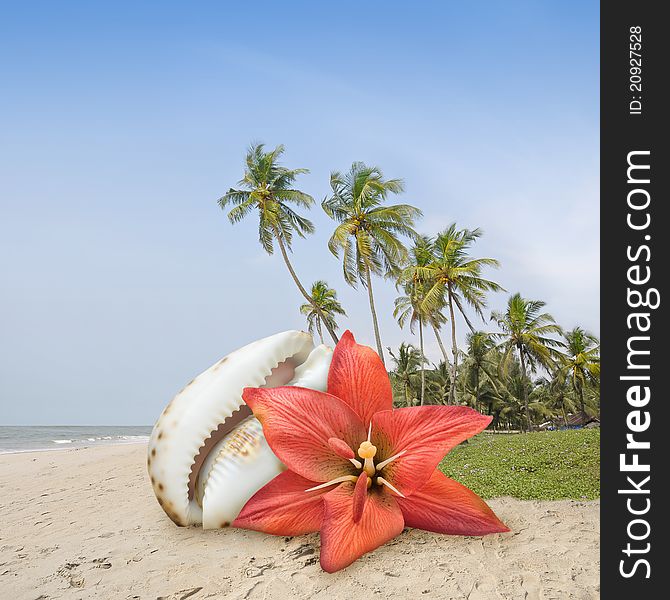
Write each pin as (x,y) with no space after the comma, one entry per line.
(454,349)
(378,339)
(582,404)
(438,337)
(423,363)
(408,399)
(440,344)
(303,291)
(525,388)
(477,388)
(318,328)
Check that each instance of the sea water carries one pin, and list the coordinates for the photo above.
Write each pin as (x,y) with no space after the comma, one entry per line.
(47,437)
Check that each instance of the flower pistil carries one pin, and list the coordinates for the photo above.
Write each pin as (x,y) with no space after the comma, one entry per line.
(367,451)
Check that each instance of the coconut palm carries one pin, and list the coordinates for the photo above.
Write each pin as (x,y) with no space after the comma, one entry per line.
(267,190)
(526,330)
(421,254)
(556,394)
(480,361)
(408,309)
(368,233)
(455,280)
(480,395)
(407,363)
(580,362)
(488,397)
(513,386)
(326,299)
(439,382)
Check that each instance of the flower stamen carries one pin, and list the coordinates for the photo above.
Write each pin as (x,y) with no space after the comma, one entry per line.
(388,461)
(382,481)
(333,482)
(341,448)
(367,451)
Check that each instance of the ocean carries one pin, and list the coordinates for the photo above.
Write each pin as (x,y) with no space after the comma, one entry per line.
(31,438)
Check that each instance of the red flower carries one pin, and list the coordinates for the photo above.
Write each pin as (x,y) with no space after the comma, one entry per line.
(358,505)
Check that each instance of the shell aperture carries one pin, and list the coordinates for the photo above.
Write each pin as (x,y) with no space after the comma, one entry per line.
(207,455)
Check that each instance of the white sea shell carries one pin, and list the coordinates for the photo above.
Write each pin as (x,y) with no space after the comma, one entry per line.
(242,462)
(207,456)
(236,468)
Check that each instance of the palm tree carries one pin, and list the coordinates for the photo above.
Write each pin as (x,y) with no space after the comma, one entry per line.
(455,280)
(514,386)
(556,394)
(326,299)
(525,328)
(580,362)
(439,382)
(479,361)
(480,395)
(407,362)
(409,308)
(421,254)
(267,189)
(368,234)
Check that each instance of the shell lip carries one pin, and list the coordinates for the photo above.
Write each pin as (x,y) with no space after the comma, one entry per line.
(239,415)
(176,473)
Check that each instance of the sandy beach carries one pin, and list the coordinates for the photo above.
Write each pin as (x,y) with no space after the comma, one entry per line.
(85,524)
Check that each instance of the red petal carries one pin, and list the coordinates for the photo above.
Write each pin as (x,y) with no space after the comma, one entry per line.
(358,376)
(342,539)
(426,433)
(298,423)
(445,506)
(283,507)
(360,496)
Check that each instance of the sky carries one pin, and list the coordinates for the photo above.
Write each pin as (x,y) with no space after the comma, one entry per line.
(122,123)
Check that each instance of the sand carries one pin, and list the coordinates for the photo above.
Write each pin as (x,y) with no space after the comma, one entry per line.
(84,524)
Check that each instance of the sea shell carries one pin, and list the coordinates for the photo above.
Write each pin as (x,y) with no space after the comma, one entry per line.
(242,461)
(239,465)
(207,455)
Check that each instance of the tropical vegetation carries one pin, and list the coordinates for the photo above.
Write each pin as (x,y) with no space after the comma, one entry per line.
(322,310)
(517,365)
(369,232)
(267,190)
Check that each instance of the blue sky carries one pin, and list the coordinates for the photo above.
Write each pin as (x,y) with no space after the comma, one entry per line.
(122,123)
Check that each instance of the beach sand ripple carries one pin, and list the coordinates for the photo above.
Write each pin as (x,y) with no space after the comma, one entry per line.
(85,524)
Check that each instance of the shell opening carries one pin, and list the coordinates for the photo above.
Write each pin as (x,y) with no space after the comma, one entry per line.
(282,374)
(214,438)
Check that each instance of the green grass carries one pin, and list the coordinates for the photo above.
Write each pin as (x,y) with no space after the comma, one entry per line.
(550,465)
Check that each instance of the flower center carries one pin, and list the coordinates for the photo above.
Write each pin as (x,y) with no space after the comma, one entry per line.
(369,471)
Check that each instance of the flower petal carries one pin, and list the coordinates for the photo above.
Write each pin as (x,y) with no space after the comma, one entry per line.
(358,376)
(298,423)
(445,506)
(342,539)
(426,433)
(283,507)
(360,496)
